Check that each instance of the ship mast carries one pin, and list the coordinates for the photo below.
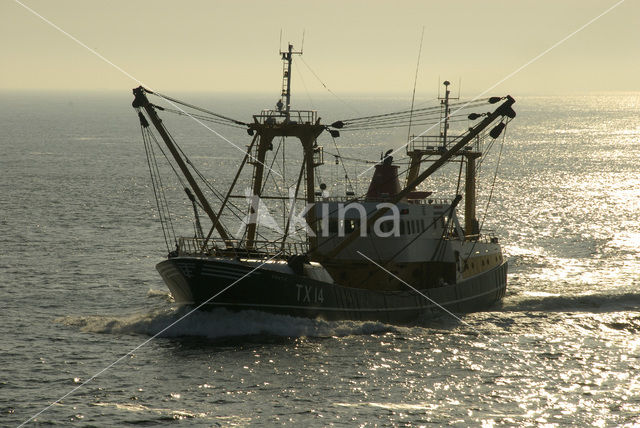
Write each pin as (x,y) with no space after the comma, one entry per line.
(445,112)
(287,59)
(280,122)
(284,122)
(417,150)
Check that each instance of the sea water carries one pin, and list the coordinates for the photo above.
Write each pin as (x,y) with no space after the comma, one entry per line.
(80,238)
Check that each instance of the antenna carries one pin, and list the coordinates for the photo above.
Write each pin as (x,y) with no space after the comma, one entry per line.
(445,111)
(280,44)
(284,105)
(302,44)
(415,83)
(459,86)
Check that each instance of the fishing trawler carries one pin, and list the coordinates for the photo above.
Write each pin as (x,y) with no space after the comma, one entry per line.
(394,254)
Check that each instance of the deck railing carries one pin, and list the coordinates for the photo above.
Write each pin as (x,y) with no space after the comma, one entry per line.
(276,117)
(432,144)
(425,142)
(235,248)
(487,237)
(349,199)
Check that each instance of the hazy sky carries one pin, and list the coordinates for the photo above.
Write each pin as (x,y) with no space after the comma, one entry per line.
(353,46)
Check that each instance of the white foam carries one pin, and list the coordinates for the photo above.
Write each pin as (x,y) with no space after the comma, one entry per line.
(220,323)
(160,294)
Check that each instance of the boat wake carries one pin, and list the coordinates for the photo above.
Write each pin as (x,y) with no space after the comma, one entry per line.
(592,302)
(221,323)
(164,295)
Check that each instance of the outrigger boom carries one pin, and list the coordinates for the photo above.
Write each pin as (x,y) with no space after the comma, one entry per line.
(504,110)
(141,101)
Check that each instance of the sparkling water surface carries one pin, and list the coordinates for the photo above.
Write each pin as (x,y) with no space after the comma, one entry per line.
(80,240)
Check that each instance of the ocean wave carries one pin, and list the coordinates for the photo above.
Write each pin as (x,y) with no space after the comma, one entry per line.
(221,323)
(139,408)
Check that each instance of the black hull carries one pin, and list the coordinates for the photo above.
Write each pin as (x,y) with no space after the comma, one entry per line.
(193,281)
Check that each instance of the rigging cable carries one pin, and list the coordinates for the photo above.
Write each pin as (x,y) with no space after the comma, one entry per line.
(163,196)
(495,175)
(264,185)
(182,183)
(415,83)
(352,159)
(306,90)
(388,124)
(356,198)
(424,110)
(346,175)
(218,195)
(201,117)
(158,189)
(155,190)
(236,213)
(326,87)
(203,110)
